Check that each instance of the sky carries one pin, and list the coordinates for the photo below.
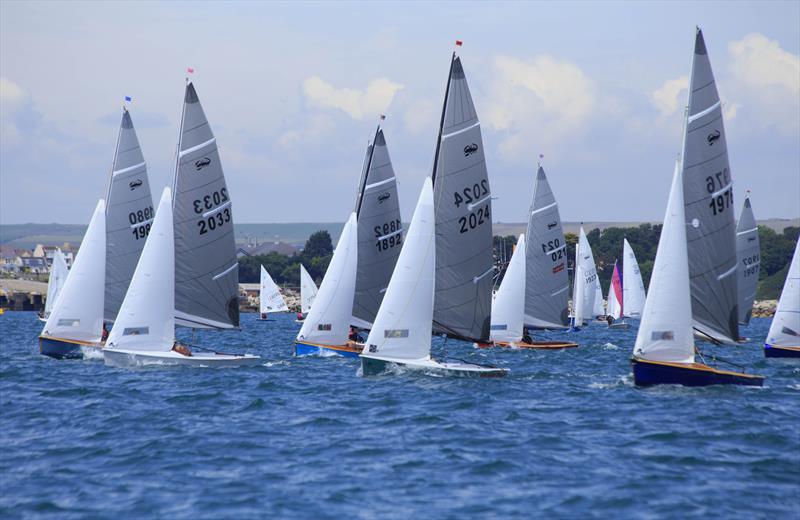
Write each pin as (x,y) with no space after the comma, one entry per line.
(293,92)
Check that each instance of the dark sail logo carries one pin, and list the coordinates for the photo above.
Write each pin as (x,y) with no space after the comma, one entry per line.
(384,197)
(202,163)
(135,184)
(470,149)
(558,268)
(713,136)
(552,224)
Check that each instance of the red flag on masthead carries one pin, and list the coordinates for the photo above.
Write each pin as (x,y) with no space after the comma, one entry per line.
(383,116)
(190,70)
(459,43)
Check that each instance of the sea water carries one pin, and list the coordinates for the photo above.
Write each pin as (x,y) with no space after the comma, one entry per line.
(566,434)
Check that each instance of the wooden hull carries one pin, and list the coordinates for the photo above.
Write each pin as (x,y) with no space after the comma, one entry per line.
(546,345)
(648,373)
(774,351)
(60,348)
(350,349)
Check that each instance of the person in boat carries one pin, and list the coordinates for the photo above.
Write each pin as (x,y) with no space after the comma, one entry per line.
(104,333)
(609,319)
(526,336)
(182,349)
(263,315)
(353,336)
(300,316)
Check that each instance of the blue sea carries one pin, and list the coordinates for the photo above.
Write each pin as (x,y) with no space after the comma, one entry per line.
(566,435)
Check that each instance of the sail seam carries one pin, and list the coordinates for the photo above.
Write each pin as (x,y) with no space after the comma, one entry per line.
(197,147)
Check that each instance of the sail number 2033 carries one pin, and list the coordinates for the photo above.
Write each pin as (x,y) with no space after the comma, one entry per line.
(215,220)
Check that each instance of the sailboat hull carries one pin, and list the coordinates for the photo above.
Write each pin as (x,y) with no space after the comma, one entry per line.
(373,366)
(349,350)
(60,348)
(774,351)
(545,345)
(648,373)
(131,359)
(619,326)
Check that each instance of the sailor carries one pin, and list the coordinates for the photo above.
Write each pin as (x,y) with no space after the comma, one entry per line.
(526,337)
(353,335)
(104,333)
(609,319)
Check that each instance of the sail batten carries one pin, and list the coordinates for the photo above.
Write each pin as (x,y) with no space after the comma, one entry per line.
(206,267)
(462,202)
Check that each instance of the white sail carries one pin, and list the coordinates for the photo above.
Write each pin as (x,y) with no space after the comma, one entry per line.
(612,307)
(58,275)
(785,328)
(598,299)
(748,254)
(508,308)
(633,294)
(270,298)
(328,321)
(308,290)
(78,310)
(665,332)
(146,319)
(585,280)
(402,328)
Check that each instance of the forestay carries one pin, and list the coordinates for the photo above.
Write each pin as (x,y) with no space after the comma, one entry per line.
(402,328)
(55,283)
(328,321)
(463,203)
(546,278)
(632,284)
(78,310)
(380,231)
(785,328)
(206,268)
(509,303)
(665,331)
(270,298)
(748,253)
(129,215)
(708,197)
(146,319)
(308,290)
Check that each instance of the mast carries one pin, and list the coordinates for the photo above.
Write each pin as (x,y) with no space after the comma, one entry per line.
(365,171)
(441,122)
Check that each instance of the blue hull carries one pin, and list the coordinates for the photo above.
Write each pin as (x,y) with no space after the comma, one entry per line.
(60,349)
(306,349)
(648,374)
(771,351)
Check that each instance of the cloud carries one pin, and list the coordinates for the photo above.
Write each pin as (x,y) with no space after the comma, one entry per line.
(358,104)
(669,96)
(766,81)
(527,97)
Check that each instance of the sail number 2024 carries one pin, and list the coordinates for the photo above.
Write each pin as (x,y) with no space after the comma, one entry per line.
(472,195)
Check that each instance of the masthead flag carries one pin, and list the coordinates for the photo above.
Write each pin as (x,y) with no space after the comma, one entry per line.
(128,98)
(459,43)
(190,70)
(383,116)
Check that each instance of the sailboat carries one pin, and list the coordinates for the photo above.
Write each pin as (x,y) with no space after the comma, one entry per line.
(615,300)
(664,352)
(708,197)
(783,339)
(270,298)
(584,282)
(380,231)
(129,215)
(748,254)
(633,294)
(462,205)
(206,267)
(401,334)
(598,311)
(144,331)
(508,308)
(326,329)
(75,324)
(58,275)
(308,292)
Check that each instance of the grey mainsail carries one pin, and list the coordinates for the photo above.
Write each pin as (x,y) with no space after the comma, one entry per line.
(129,214)
(380,231)
(206,268)
(708,201)
(463,203)
(546,279)
(748,254)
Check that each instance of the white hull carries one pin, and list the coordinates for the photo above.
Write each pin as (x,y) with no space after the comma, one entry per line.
(374,366)
(129,359)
